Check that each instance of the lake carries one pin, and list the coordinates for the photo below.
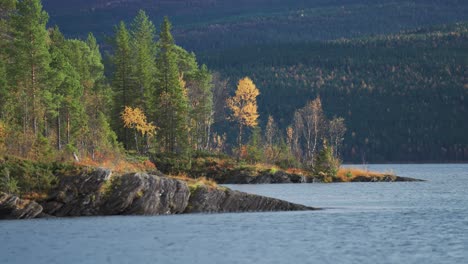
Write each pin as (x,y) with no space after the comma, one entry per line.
(409,222)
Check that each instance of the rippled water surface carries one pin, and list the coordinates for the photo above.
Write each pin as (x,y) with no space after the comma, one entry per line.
(421,222)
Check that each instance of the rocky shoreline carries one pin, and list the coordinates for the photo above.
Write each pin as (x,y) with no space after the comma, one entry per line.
(281,177)
(99,193)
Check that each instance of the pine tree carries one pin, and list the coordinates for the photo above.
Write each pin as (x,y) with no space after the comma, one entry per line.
(6,8)
(31,62)
(171,100)
(66,90)
(143,33)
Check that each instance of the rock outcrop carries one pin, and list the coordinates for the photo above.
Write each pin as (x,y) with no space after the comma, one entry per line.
(99,193)
(79,195)
(143,194)
(218,200)
(12,207)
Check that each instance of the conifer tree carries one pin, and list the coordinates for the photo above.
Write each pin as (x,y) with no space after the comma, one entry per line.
(66,91)
(95,68)
(123,82)
(31,61)
(143,33)
(171,100)
(6,7)
(98,100)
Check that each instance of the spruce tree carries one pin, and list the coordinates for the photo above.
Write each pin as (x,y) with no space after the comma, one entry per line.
(123,82)
(171,96)
(95,67)
(143,33)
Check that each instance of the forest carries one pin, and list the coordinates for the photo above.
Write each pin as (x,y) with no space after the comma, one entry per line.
(146,98)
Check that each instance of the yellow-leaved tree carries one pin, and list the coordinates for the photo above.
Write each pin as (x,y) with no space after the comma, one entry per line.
(244,106)
(135,118)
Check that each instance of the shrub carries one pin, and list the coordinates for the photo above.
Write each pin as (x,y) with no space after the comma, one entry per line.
(325,164)
(7,183)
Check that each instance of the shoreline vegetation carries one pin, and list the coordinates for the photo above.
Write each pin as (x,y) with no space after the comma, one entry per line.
(147,113)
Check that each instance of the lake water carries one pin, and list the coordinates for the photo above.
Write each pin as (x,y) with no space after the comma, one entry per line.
(420,222)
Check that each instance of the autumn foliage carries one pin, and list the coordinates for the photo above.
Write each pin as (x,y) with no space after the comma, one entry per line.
(243,105)
(135,118)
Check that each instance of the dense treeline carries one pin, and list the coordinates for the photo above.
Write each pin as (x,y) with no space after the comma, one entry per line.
(403,96)
(57,102)
(208,25)
(53,93)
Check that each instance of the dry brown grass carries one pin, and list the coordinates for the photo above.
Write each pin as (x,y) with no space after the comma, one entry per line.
(297,171)
(202,181)
(34,196)
(117,164)
(347,174)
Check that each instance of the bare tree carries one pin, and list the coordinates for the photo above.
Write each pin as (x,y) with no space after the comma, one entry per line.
(310,122)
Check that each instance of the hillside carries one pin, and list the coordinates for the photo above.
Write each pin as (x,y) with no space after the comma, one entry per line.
(219,24)
(404,96)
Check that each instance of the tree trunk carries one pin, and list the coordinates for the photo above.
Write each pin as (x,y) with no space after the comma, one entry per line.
(33,88)
(240,140)
(68,127)
(136,141)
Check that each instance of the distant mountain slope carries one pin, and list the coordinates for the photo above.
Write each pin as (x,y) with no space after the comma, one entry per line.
(404,96)
(218,24)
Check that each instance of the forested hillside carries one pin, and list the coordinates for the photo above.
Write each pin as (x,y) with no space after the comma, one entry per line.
(218,24)
(404,96)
